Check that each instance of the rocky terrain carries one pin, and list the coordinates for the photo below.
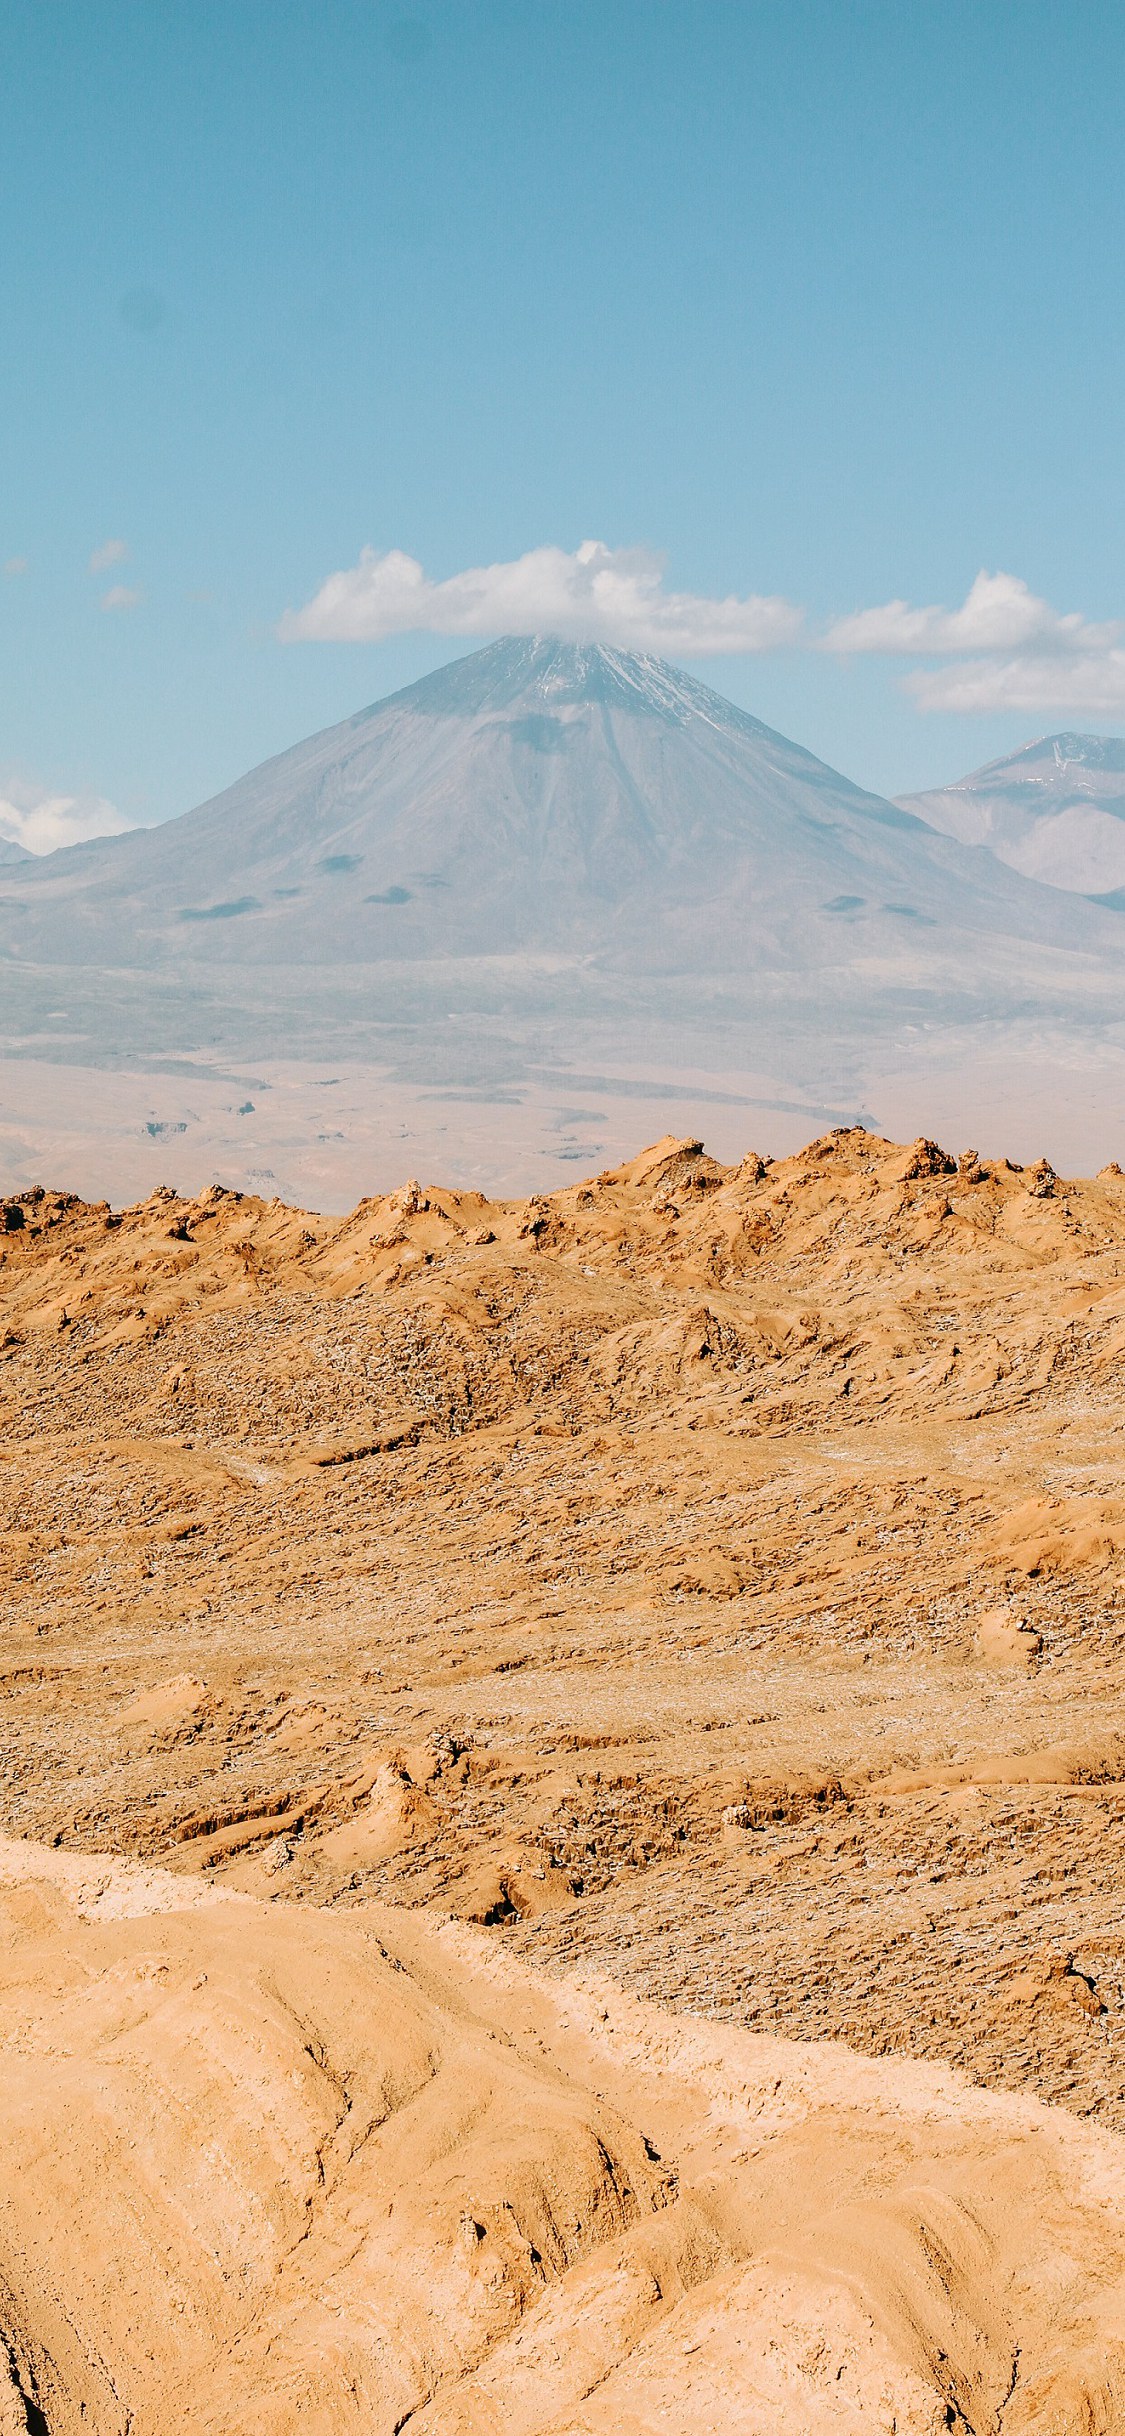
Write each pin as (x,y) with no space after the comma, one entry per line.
(481,1681)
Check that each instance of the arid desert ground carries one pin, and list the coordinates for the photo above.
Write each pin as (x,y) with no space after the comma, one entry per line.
(564,1797)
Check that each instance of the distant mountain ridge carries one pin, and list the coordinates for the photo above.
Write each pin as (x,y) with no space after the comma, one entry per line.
(1054,811)
(535,798)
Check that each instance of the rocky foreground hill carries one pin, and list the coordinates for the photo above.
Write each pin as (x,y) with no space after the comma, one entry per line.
(485,1683)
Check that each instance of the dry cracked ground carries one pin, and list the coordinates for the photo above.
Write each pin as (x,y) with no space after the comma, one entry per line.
(564,1768)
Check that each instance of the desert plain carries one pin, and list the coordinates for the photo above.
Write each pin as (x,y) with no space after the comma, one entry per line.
(564,1805)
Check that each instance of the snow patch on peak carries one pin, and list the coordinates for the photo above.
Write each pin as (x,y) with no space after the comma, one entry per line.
(1050,759)
(1053,811)
(535,670)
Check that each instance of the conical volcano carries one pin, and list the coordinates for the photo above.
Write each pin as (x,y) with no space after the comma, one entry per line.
(538,797)
(547,903)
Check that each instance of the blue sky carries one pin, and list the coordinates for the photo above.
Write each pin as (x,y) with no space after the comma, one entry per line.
(819,304)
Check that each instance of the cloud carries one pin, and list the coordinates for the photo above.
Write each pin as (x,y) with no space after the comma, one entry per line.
(33,818)
(1004,649)
(1032,681)
(998,614)
(120,596)
(15,566)
(593,594)
(110,554)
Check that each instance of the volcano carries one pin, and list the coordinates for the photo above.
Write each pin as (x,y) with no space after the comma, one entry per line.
(549,901)
(538,797)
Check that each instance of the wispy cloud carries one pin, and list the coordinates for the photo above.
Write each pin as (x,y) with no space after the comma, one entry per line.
(108,554)
(1092,682)
(32,817)
(590,594)
(1003,649)
(1000,613)
(121,596)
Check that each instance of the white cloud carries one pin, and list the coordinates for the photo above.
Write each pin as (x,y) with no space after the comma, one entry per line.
(1025,655)
(1091,682)
(110,554)
(998,614)
(15,566)
(1003,649)
(120,596)
(591,594)
(39,821)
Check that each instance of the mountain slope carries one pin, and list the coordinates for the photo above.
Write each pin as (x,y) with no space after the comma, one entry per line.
(1054,811)
(536,797)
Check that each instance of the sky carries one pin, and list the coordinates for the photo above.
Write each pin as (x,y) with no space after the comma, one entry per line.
(785,339)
